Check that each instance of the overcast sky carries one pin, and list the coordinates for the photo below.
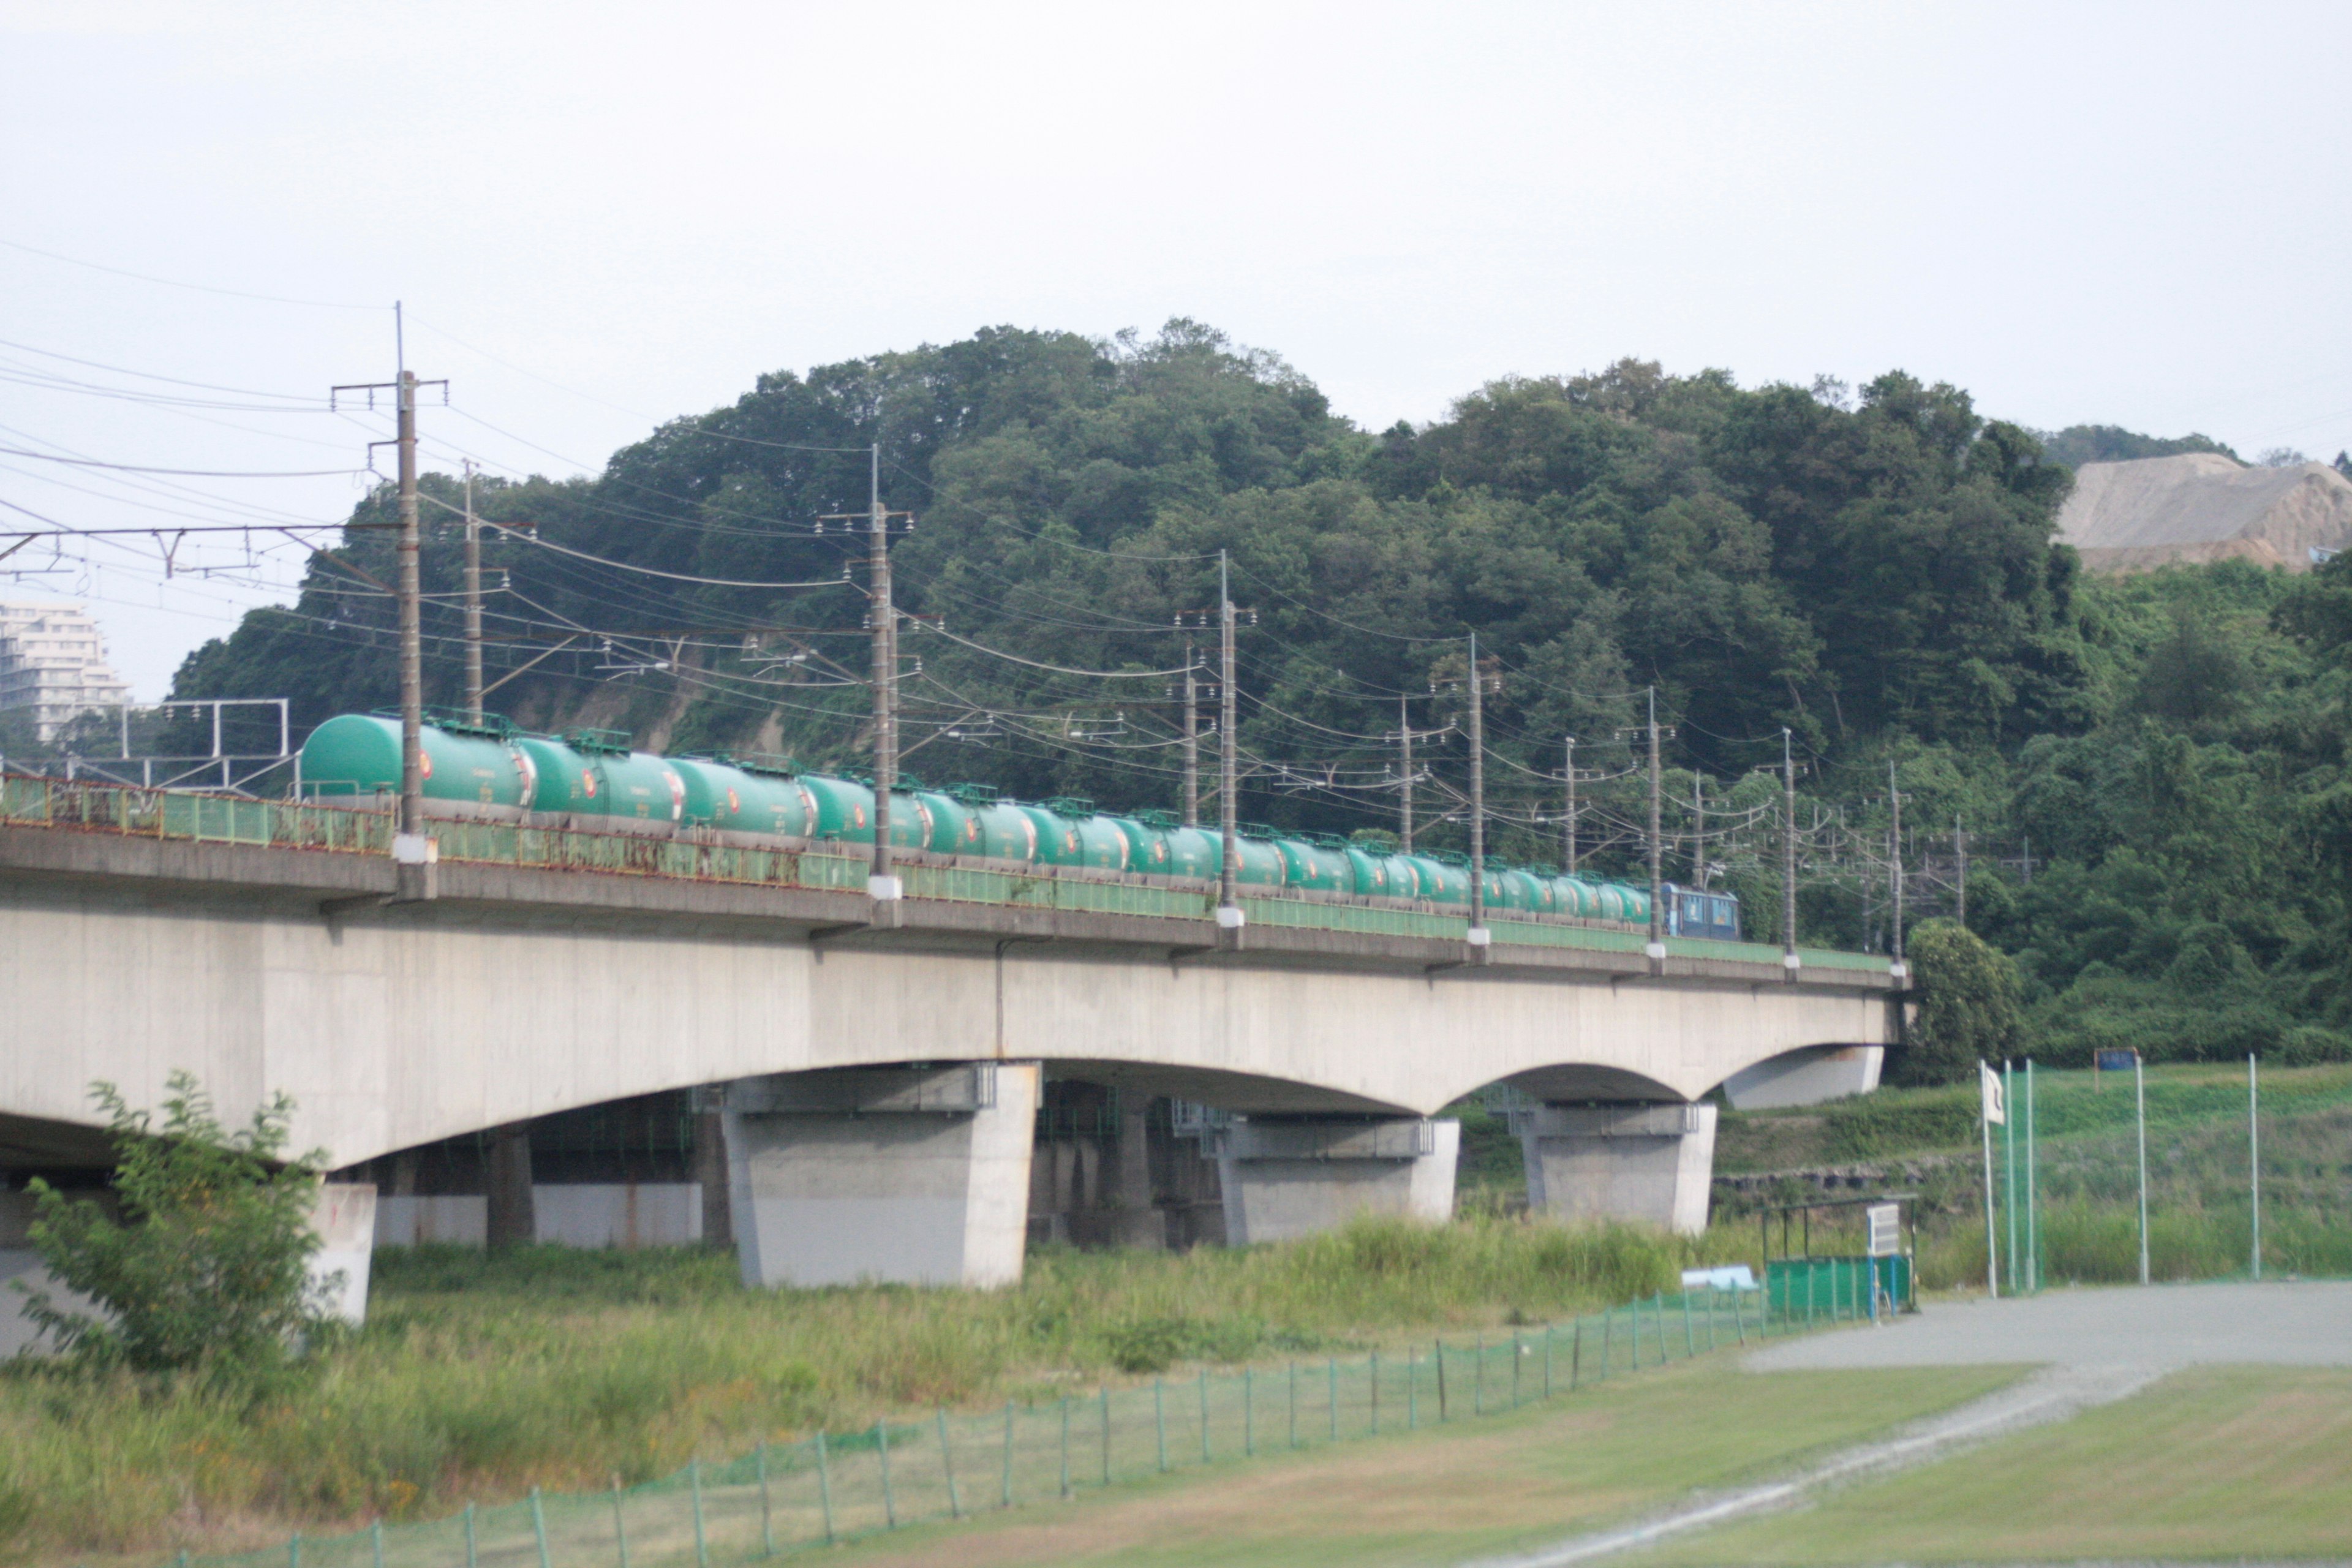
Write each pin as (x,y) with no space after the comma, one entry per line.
(602,215)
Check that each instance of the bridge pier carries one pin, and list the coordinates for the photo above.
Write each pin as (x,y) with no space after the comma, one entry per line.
(1647,1162)
(911,1175)
(1293,1176)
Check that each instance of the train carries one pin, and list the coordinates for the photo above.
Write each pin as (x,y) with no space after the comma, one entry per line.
(595,781)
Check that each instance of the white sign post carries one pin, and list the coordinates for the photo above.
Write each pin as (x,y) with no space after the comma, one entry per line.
(1988,1089)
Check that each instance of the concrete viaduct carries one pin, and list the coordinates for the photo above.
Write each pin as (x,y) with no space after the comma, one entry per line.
(877,1067)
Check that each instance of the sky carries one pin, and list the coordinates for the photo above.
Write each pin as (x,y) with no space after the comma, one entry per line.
(600,216)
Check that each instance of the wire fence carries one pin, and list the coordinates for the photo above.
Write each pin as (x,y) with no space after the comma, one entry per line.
(783,1498)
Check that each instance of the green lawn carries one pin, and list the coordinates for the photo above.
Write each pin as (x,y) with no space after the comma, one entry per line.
(2216,1462)
(1443,1495)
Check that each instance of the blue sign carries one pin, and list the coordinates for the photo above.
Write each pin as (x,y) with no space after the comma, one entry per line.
(2117,1062)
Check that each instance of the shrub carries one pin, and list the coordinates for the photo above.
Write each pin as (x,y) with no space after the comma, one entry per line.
(207,1269)
(1968,1004)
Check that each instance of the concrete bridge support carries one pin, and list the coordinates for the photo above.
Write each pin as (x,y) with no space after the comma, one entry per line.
(1648,1163)
(912,1176)
(1292,1177)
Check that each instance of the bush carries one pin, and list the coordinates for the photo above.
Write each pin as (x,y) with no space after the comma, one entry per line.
(207,1269)
(1967,1006)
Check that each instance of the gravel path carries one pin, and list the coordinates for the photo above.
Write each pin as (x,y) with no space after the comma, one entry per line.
(2095,1347)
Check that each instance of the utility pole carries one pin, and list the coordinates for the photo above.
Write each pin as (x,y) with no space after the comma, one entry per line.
(473,602)
(411,852)
(1568,833)
(1895,869)
(1229,912)
(1698,830)
(1656,947)
(1404,780)
(1477,799)
(1960,851)
(880,884)
(1788,960)
(1191,739)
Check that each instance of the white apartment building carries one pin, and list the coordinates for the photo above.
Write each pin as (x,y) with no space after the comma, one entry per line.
(53,662)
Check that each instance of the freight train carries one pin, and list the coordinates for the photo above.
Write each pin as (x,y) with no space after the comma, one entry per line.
(593,781)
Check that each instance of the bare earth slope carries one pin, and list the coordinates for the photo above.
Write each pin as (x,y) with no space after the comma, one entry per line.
(2200,506)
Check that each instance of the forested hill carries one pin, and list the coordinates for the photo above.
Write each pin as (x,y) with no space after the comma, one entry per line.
(1875,573)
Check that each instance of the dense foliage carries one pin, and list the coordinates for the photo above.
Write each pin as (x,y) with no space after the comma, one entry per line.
(2151,769)
(205,1268)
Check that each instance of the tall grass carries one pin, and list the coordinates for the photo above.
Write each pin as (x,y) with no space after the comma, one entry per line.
(2087,1242)
(480,1377)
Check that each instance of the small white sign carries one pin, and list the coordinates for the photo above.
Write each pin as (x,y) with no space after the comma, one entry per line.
(1989,1080)
(1886,1221)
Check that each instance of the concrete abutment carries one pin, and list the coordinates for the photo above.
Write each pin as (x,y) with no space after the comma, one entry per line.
(909,1175)
(1292,1177)
(1651,1164)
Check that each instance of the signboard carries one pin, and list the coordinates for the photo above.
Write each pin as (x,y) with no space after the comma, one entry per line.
(1886,1221)
(2117,1062)
(1996,1112)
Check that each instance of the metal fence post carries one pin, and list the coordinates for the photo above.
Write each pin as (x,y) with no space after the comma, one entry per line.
(1575,1353)
(1332,1398)
(1478,1379)
(1374,1364)
(1441,1383)
(1004,1493)
(702,1545)
(1066,1445)
(294,1550)
(1413,1388)
(539,1526)
(1690,1342)
(1547,1393)
(1608,1317)
(1106,1434)
(1249,1412)
(620,1531)
(1159,1419)
(470,1554)
(889,1502)
(825,1485)
(1519,1353)
(767,1510)
(1205,1416)
(1294,1404)
(375,1541)
(947,1466)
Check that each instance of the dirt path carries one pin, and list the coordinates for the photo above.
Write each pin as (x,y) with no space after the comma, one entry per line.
(2098,1346)
(2052,1395)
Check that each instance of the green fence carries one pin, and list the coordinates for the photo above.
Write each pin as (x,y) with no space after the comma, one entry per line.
(229,819)
(785,1498)
(1835,1290)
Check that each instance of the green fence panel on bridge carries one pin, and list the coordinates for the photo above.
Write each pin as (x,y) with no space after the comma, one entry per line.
(203,817)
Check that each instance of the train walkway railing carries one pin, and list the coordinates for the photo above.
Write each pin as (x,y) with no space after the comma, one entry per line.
(786,1498)
(81,805)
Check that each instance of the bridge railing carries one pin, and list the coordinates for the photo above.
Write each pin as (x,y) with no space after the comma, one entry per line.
(85,806)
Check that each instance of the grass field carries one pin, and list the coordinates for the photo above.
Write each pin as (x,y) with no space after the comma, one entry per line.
(2214,1462)
(1442,1496)
(478,1378)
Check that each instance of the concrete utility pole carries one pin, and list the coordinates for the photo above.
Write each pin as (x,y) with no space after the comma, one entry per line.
(1960,851)
(880,884)
(1404,778)
(1895,868)
(1698,830)
(1229,911)
(1656,947)
(1788,960)
(1191,739)
(1567,832)
(412,628)
(411,852)
(473,602)
(1477,799)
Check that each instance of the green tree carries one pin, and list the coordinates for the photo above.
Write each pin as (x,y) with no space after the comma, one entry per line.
(1968,1004)
(206,1270)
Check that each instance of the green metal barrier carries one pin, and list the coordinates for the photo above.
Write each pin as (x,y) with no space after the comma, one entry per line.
(833,1487)
(199,817)
(1839,1289)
